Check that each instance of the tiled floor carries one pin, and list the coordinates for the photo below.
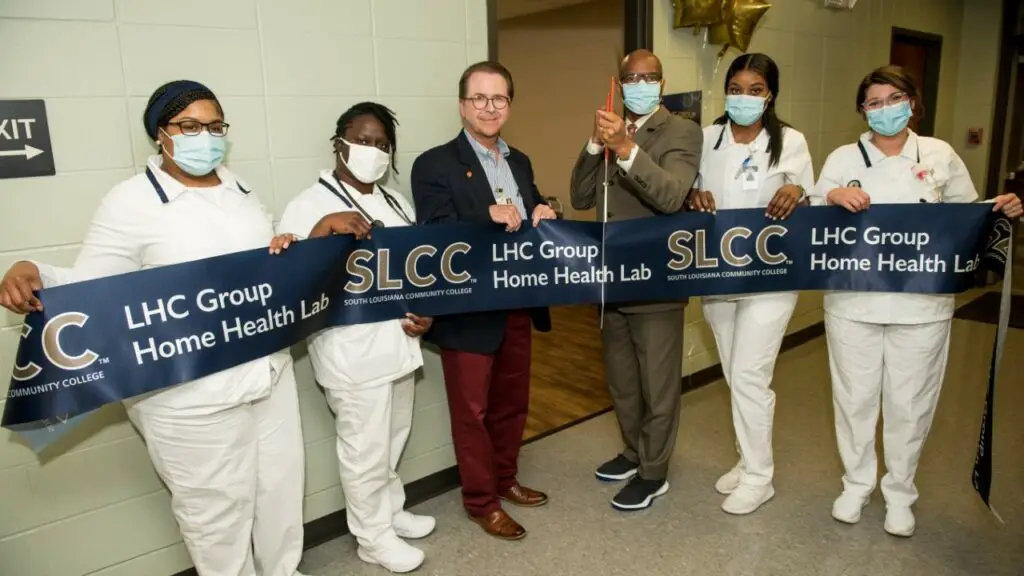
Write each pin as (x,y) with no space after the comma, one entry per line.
(793,535)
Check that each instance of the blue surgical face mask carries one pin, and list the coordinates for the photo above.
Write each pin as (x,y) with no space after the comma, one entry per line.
(200,154)
(890,120)
(743,109)
(641,98)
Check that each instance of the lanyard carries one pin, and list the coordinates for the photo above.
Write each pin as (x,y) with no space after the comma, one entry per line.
(349,201)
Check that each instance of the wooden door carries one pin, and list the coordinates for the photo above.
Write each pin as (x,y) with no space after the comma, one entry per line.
(912,57)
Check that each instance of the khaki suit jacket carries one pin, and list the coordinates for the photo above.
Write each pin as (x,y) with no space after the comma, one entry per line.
(658,182)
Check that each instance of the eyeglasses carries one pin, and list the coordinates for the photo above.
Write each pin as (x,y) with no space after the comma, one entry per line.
(480,101)
(216,128)
(892,100)
(637,77)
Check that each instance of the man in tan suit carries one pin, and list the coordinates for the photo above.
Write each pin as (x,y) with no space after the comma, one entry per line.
(656,157)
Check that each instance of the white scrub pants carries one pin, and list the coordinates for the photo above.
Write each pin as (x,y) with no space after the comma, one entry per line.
(901,365)
(236,481)
(748,332)
(373,426)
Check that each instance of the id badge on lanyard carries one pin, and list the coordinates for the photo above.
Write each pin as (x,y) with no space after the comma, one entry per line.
(503,199)
(749,176)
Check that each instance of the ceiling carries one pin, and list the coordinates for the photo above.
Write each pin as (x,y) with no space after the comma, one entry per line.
(513,8)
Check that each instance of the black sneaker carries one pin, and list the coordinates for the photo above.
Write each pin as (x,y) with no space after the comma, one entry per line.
(616,469)
(639,494)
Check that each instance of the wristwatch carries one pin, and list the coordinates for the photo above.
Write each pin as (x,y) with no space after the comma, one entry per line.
(803,193)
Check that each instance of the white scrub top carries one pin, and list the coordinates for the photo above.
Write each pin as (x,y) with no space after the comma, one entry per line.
(362,355)
(152,220)
(926,170)
(738,175)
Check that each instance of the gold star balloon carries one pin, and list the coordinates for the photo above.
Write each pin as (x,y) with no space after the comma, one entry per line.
(739,18)
(697,13)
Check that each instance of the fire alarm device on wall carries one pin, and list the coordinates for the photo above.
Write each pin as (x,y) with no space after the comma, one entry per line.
(974,136)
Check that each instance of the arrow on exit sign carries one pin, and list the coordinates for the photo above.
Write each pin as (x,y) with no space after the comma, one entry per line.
(29,152)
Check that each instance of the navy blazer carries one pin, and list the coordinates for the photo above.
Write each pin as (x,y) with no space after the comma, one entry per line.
(449,185)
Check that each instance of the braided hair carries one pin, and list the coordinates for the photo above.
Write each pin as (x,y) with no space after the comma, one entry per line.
(170,100)
(379,111)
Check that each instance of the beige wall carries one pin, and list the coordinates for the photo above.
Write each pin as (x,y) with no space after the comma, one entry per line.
(822,54)
(285,71)
(562,61)
(976,86)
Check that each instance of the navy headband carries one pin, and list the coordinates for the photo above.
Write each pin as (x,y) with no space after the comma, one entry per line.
(174,90)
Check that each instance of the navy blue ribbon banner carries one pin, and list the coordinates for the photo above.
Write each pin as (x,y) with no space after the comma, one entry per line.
(106,340)
(1000,255)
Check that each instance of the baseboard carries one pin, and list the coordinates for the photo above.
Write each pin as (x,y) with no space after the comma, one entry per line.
(700,378)
(335,524)
(712,373)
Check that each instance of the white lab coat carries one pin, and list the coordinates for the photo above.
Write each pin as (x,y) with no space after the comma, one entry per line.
(366,370)
(228,446)
(749,328)
(889,347)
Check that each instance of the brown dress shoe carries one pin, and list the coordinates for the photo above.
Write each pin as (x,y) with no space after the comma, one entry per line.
(500,525)
(522,496)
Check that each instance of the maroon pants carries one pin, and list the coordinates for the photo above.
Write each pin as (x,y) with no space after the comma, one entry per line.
(488,398)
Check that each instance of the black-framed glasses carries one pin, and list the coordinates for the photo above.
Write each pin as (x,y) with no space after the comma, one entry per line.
(194,127)
(480,101)
(637,77)
(892,100)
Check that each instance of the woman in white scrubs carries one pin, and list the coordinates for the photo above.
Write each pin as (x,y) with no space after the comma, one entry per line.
(367,370)
(229,445)
(889,349)
(751,159)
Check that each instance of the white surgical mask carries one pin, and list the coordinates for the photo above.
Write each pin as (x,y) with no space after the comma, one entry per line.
(367,163)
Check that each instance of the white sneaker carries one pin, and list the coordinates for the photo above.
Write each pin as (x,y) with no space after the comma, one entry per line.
(847,508)
(393,554)
(412,526)
(746,498)
(899,521)
(730,480)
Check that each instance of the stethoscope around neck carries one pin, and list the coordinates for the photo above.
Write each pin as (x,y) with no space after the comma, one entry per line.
(867,159)
(868,164)
(750,151)
(341,191)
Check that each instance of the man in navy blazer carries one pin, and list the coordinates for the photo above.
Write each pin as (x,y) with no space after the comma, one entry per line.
(477,177)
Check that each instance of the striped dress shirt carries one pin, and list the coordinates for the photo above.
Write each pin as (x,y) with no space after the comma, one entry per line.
(499,173)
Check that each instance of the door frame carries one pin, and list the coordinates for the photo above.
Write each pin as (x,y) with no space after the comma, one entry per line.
(932,43)
(639,28)
(1008,50)
(638,16)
